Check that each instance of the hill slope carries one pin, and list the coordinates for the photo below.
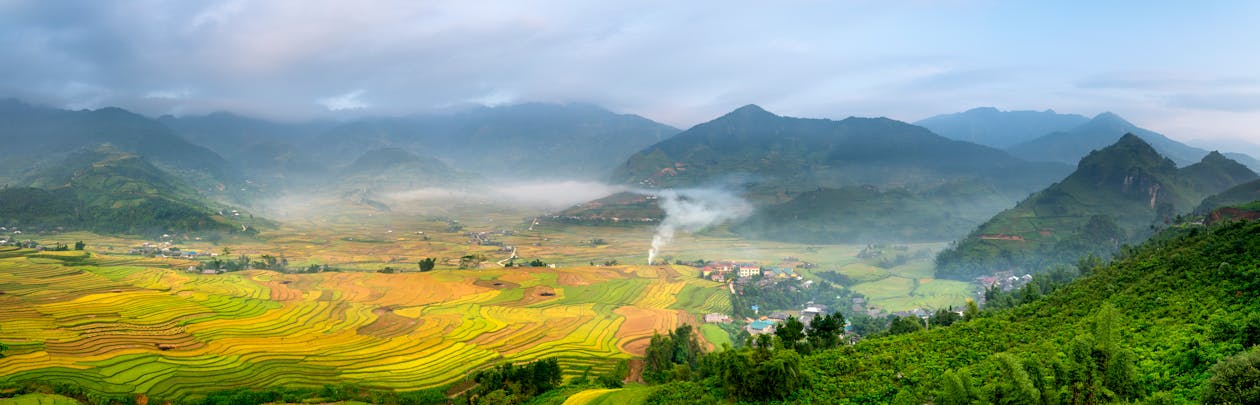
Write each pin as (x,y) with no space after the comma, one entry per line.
(41,136)
(107,191)
(1183,302)
(1000,129)
(1117,195)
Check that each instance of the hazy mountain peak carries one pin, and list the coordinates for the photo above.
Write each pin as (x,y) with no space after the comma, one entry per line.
(1110,118)
(750,110)
(997,128)
(1214,156)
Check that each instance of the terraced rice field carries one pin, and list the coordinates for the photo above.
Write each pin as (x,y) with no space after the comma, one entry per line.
(125,325)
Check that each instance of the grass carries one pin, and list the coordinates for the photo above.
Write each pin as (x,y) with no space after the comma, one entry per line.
(38,399)
(715,335)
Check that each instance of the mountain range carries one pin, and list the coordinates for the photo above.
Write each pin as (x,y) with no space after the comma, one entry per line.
(1047,136)
(785,155)
(1118,195)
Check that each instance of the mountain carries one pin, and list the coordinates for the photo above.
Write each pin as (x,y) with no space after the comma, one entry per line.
(1070,145)
(263,150)
(1000,129)
(525,141)
(394,169)
(1241,194)
(40,136)
(1216,173)
(1117,195)
(786,155)
(108,191)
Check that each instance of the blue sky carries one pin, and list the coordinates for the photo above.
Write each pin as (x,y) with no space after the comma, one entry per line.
(1188,69)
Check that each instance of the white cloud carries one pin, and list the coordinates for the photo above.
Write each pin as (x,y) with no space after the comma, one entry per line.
(344,102)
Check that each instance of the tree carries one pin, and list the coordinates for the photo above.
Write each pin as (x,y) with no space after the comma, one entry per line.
(957,389)
(944,317)
(2,349)
(907,324)
(824,330)
(537,263)
(471,261)
(1015,386)
(1235,380)
(427,264)
(790,332)
(658,358)
(79,245)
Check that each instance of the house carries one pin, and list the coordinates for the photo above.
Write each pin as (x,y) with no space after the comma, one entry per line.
(716,318)
(748,270)
(778,316)
(760,327)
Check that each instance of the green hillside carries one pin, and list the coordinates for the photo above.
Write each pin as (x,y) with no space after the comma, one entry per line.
(1182,303)
(107,191)
(1238,195)
(38,138)
(1117,195)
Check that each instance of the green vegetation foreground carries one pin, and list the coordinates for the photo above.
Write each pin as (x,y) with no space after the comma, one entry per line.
(1168,322)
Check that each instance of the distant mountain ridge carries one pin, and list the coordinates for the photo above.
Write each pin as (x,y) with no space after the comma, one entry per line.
(1117,195)
(1000,129)
(40,136)
(1070,145)
(800,154)
(524,141)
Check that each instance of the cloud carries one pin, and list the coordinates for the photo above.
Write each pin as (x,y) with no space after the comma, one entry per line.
(1218,101)
(347,101)
(677,62)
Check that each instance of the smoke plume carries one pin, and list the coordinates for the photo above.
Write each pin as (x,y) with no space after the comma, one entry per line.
(692,210)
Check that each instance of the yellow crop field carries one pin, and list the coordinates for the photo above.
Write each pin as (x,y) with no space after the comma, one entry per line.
(118,325)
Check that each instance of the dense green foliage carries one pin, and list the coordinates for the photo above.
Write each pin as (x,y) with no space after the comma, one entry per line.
(1235,380)
(1118,195)
(511,384)
(1182,302)
(789,294)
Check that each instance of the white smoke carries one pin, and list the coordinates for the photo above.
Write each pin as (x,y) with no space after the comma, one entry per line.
(692,210)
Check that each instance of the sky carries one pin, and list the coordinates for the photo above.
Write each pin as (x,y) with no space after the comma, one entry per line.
(1190,70)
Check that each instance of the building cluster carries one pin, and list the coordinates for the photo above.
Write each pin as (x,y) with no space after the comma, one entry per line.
(767,324)
(1005,280)
(723,270)
(165,249)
